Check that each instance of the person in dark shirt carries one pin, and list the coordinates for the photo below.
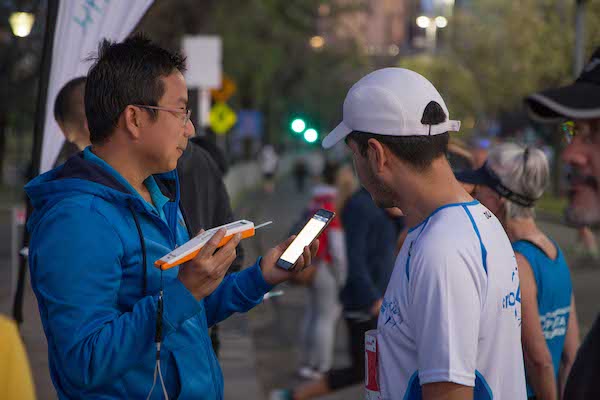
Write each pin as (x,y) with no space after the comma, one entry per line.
(69,112)
(203,193)
(204,198)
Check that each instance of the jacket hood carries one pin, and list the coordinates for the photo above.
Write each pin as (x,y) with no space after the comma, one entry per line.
(79,176)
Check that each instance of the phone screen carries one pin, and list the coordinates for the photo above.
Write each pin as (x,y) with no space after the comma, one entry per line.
(310,231)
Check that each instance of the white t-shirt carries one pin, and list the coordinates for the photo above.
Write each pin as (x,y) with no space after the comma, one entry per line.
(452,309)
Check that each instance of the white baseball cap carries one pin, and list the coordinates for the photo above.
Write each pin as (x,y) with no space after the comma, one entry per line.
(390,101)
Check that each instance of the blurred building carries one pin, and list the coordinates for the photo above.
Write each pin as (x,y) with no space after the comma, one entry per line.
(383,28)
(376,27)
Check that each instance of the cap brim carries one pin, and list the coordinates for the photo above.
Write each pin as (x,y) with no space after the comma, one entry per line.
(580,100)
(339,133)
(473,177)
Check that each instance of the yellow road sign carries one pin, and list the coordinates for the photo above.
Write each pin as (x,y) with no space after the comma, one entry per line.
(222,118)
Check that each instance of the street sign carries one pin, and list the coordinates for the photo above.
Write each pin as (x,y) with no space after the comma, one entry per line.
(224,93)
(222,118)
(204,55)
(250,123)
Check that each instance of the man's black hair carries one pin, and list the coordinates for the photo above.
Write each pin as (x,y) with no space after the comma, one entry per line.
(65,105)
(125,73)
(417,151)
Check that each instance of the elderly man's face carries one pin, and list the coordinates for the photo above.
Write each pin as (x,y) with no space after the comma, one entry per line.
(583,156)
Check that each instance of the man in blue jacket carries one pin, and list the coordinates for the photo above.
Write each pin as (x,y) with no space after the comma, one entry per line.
(113,321)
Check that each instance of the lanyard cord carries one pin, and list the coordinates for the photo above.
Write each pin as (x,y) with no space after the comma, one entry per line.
(158,341)
(159,308)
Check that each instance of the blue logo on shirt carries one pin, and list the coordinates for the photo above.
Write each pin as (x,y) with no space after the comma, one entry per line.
(554,323)
(391,313)
(510,300)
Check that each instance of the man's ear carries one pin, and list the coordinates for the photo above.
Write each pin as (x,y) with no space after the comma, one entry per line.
(132,120)
(376,155)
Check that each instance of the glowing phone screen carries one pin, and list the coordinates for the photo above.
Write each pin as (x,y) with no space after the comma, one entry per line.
(304,238)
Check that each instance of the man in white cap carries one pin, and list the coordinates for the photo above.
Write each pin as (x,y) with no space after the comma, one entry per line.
(449,326)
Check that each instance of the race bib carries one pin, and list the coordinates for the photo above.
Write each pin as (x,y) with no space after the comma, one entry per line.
(371,376)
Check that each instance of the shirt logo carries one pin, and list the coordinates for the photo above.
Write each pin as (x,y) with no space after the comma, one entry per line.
(554,323)
(487,214)
(390,310)
(511,301)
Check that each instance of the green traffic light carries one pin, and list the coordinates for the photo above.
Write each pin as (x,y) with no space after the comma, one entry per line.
(298,125)
(311,135)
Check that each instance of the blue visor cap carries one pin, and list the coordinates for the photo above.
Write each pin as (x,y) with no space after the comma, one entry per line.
(485,176)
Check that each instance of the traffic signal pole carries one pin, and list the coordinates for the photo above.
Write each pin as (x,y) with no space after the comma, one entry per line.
(579,55)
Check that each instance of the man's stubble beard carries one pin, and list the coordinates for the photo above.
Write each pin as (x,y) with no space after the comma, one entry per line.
(384,196)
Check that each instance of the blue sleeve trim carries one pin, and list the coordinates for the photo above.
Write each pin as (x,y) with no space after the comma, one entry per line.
(413,389)
(483,249)
(471,203)
(482,390)
(424,223)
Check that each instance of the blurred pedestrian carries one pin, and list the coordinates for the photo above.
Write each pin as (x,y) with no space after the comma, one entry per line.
(69,112)
(510,182)
(204,199)
(300,174)
(440,331)
(577,106)
(215,152)
(322,306)
(268,161)
(370,242)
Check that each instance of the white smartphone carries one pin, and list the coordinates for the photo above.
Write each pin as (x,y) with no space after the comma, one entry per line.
(313,228)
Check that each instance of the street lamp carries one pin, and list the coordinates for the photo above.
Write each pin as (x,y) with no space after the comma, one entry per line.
(431,25)
(423,22)
(317,42)
(441,22)
(21,23)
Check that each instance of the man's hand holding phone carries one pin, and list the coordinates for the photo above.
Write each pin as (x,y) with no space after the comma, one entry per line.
(274,274)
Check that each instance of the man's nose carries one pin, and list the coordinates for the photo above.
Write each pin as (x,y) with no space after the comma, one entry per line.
(189,129)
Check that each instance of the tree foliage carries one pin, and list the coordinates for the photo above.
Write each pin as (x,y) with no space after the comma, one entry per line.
(500,51)
(266,51)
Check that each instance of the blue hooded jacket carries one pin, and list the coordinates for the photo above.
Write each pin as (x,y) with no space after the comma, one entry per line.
(93,245)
